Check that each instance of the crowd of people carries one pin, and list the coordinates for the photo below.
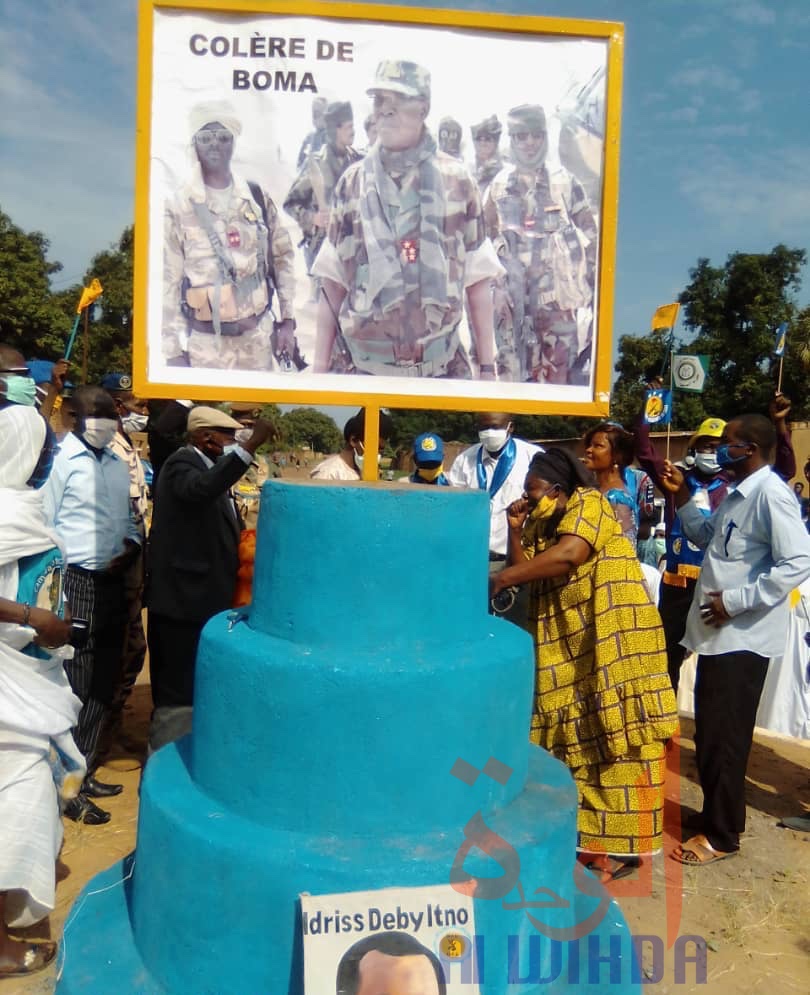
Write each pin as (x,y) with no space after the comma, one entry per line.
(79,565)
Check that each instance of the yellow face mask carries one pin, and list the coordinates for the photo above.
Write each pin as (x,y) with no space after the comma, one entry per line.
(544,508)
(430,474)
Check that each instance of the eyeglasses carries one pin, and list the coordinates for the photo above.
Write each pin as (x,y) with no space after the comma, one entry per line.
(524,136)
(18,371)
(207,137)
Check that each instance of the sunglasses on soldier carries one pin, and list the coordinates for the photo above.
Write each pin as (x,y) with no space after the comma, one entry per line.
(206,137)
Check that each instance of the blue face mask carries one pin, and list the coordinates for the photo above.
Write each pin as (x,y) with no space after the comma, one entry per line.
(20,389)
(724,457)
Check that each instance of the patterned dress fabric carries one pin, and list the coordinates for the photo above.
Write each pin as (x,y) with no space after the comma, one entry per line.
(603,701)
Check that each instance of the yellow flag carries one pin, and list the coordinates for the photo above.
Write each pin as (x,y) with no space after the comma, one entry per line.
(89,294)
(665,316)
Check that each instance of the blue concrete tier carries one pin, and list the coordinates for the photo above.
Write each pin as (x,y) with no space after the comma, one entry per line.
(382,566)
(352,735)
(213,904)
(326,727)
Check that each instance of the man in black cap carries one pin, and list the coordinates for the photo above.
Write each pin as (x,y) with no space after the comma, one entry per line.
(545,234)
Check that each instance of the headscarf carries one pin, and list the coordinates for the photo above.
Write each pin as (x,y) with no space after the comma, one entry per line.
(558,466)
(214,110)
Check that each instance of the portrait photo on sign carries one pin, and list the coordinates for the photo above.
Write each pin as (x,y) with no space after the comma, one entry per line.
(336,207)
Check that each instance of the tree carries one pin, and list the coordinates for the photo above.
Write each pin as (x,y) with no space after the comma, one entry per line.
(732,313)
(30,319)
(306,426)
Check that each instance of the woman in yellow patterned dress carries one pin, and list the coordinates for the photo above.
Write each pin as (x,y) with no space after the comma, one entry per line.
(603,701)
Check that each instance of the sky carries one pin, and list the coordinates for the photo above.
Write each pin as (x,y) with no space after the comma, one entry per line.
(714,142)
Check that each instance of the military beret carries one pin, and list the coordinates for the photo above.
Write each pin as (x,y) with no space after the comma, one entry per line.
(526,116)
(116,381)
(489,127)
(407,78)
(337,113)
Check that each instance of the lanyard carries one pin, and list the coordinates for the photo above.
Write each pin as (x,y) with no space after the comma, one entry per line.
(502,468)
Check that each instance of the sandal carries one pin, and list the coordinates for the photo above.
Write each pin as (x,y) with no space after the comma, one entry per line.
(608,869)
(698,851)
(36,957)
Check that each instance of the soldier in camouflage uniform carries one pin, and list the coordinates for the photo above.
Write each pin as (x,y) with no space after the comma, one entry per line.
(311,193)
(546,237)
(486,136)
(224,250)
(405,242)
(450,137)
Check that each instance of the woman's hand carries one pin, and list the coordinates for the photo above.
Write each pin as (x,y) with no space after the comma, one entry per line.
(51,630)
(517,513)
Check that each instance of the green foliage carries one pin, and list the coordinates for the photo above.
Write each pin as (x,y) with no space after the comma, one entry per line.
(30,318)
(460,426)
(731,314)
(306,426)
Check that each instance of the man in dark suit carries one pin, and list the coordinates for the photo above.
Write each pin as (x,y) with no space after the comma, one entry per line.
(193,558)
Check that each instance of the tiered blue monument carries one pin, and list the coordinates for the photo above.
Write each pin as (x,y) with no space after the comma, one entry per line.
(366,726)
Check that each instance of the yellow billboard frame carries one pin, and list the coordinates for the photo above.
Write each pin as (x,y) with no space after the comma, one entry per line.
(611,32)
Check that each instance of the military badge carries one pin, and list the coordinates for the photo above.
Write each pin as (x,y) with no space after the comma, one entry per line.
(410,249)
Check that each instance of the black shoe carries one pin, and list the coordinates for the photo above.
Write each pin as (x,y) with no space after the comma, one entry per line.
(97,789)
(81,809)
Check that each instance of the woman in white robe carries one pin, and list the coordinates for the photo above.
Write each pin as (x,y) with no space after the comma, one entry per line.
(39,762)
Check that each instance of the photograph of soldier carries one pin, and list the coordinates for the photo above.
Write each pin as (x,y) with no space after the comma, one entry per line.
(405,244)
(225,253)
(545,234)
(315,139)
(311,193)
(450,137)
(486,136)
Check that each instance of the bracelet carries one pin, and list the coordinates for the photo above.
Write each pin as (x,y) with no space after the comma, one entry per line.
(26,613)
(486,367)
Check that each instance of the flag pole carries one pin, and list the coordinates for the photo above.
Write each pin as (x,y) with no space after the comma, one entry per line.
(72,338)
(779,380)
(671,384)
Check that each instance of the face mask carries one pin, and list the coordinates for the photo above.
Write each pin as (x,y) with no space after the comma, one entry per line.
(134,423)
(724,457)
(99,432)
(424,473)
(660,547)
(544,508)
(707,463)
(493,439)
(241,435)
(20,390)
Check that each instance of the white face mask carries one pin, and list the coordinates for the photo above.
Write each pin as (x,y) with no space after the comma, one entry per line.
(706,463)
(134,423)
(360,459)
(241,435)
(99,432)
(493,439)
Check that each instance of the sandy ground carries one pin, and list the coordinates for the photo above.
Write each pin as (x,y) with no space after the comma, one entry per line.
(750,914)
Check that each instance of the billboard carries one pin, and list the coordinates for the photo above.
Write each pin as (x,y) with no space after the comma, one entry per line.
(357,204)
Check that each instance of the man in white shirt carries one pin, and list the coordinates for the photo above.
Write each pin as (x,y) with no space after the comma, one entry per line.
(757,552)
(498,464)
(87,501)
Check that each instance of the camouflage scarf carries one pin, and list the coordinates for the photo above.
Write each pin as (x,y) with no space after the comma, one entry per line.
(403,192)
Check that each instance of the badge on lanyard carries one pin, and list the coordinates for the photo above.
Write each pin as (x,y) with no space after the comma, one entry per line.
(234,241)
(410,249)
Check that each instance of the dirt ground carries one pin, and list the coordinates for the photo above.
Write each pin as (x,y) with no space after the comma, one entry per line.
(750,914)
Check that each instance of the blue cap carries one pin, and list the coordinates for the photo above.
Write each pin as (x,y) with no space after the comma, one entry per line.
(117,381)
(41,370)
(428,448)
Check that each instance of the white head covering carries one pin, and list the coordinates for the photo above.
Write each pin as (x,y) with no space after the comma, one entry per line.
(22,516)
(214,110)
